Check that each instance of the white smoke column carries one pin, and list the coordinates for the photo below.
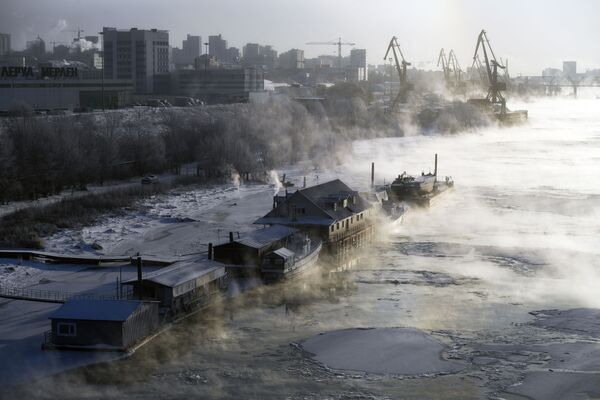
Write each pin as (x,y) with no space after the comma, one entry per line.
(83,45)
(274,180)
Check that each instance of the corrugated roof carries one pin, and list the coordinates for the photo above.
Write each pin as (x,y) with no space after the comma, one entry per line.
(182,272)
(96,310)
(263,237)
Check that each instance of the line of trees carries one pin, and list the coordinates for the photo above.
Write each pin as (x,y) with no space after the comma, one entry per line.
(43,155)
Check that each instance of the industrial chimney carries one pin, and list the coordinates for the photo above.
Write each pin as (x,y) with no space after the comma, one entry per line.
(435,167)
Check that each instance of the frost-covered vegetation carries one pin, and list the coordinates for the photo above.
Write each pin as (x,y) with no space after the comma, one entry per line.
(43,155)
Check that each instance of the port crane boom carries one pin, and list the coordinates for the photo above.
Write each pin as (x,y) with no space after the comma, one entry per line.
(443,62)
(401,65)
(491,65)
(455,66)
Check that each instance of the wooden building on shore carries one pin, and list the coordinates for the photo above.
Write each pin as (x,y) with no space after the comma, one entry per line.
(101,325)
(331,211)
(182,287)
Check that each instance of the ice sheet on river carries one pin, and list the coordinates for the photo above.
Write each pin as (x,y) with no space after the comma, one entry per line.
(395,351)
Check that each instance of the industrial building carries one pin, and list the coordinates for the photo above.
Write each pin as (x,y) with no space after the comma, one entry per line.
(218,85)
(331,211)
(101,324)
(136,55)
(49,88)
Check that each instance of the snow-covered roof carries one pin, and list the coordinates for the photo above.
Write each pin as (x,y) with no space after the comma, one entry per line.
(284,252)
(334,199)
(300,220)
(263,237)
(96,310)
(184,271)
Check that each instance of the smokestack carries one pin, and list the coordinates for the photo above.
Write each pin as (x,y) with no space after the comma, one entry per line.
(435,167)
(230,237)
(372,174)
(304,182)
(139,276)
(210,251)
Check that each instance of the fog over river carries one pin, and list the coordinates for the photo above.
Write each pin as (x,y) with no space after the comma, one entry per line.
(462,285)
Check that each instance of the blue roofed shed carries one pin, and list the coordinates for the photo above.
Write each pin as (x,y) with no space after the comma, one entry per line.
(102,324)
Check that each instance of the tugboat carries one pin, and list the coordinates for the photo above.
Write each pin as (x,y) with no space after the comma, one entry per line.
(290,261)
(420,190)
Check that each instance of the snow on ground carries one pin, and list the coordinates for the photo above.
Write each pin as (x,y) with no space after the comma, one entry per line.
(72,193)
(13,276)
(23,323)
(164,211)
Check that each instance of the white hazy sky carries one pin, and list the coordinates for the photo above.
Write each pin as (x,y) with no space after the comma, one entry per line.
(531,34)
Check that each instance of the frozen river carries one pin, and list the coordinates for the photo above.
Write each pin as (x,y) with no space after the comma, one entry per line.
(466,279)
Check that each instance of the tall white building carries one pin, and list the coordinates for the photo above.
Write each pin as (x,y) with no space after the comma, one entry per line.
(136,54)
(570,68)
(358,62)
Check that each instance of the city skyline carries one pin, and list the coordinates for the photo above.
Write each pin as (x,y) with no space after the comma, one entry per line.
(516,29)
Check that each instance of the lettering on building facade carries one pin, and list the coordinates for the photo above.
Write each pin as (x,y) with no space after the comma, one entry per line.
(43,73)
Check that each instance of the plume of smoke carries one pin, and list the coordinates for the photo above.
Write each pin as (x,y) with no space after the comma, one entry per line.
(274,180)
(83,45)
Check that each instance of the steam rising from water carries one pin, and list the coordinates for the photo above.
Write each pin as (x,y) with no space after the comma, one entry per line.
(532,191)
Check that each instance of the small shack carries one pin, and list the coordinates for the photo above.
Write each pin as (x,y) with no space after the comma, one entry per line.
(280,260)
(252,246)
(183,286)
(101,324)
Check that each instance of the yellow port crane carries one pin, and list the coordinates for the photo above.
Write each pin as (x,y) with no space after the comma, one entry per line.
(401,65)
(339,45)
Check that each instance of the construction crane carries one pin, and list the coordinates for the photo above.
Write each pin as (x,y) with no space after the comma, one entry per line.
(78,31)
(339,45)
(401,65)
(491,64)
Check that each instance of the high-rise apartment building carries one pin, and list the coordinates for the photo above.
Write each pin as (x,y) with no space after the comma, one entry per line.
(135,54)
(217,47)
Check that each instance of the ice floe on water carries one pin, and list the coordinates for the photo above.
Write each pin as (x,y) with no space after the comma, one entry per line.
(394,351)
